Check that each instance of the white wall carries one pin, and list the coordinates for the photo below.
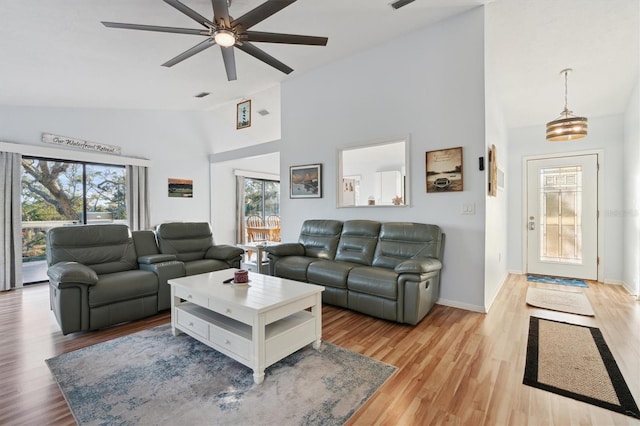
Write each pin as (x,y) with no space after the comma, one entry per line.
(422,84)
(631,210)
(496,207)
(606,134)
(177,143)
(263,128)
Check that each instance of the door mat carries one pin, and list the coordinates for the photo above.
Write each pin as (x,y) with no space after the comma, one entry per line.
(556,280)
(559,300)
(575,361)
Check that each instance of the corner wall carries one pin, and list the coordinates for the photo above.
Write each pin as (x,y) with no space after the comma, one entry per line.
(496,207)
(631,210)
(428,84)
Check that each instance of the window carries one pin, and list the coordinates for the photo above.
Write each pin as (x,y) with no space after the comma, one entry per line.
(64,193)
(261,197)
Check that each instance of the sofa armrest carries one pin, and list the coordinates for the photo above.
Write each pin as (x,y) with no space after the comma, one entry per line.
(165,271)
(156,258)
(419,266)
(286,249)
(72,273)
(223,252)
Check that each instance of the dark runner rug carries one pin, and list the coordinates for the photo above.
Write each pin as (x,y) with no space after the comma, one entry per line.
(575,361)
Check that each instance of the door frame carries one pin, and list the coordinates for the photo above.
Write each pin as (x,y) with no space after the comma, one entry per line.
(600,232)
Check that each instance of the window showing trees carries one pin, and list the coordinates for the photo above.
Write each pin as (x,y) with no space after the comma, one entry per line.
(59,193)
(261,197)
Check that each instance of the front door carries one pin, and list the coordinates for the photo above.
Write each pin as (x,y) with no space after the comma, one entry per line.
(562,216)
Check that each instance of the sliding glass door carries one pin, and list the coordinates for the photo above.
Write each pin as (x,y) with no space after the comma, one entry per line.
(65,193)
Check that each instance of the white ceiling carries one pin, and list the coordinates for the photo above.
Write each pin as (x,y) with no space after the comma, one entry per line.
(57,53)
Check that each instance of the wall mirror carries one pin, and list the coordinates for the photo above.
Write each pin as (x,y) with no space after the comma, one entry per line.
(374,174)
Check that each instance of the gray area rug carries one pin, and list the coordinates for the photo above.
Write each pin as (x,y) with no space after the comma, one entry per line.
(558,300)
(152,377)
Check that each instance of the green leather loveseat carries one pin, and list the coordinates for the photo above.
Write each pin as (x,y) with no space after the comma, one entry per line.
(388,270)
(102,275)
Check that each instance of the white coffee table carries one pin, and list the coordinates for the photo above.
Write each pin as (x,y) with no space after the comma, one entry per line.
(257,325)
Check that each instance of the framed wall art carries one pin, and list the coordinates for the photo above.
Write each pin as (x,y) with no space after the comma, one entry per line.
(493,172)
(305,181)
(180,188)
(243,114)
(444,170)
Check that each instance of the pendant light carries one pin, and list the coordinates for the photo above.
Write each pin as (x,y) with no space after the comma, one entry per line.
(568,126)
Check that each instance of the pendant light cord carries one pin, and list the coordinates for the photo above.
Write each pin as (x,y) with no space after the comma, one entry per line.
(566,72)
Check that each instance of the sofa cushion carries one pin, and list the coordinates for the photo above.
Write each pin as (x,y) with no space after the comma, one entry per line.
(405,240)
(104,248)
(374,281)
(329,272)
(293,267)
(358,241)
(187,240)
(120,286)
(320,238)
(205,265)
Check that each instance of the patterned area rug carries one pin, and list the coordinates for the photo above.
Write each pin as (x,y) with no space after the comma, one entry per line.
(573,302)
(575,361)
(152,377)
(556,280)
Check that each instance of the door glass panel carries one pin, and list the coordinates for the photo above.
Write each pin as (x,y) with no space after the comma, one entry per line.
(105,194)
(262,199)
(58,193)
(560,204)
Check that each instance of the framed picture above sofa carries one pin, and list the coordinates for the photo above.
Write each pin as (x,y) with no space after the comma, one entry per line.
(305,181)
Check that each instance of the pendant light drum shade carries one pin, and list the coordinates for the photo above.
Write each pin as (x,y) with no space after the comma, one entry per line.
(567,129)
(568,126)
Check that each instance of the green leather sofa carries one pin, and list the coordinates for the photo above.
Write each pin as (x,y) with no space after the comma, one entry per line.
(388,270)
(102,275)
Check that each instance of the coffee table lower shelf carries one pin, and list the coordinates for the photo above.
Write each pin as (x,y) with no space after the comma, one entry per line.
(234,338)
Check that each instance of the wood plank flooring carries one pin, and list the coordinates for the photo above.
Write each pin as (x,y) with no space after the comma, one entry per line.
(455,367)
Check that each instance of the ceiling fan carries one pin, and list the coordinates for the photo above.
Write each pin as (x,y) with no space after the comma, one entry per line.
(228,33)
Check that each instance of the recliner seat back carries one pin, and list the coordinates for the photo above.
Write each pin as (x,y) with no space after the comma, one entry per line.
(187,241)
(358,241)
(399,241)
(104,248)
(320,238)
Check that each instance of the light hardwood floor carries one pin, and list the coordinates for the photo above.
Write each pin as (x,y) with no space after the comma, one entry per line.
(455,367)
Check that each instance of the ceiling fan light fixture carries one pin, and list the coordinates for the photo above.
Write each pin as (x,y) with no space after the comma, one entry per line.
(224,38)
(568,126)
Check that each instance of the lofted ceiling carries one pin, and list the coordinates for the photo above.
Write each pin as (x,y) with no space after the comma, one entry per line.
(57,53)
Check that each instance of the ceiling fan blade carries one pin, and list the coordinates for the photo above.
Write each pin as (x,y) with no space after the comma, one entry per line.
(261,13)
(264,57)
(221,12)
(155,28)
(229,62)
(263,37)
(189,53)
(190,13)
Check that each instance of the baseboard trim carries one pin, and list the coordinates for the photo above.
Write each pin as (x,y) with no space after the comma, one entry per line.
(495,295)
(465,306)
(515,271)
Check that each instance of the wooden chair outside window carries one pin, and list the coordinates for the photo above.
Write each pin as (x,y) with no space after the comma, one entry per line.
(273,223)
(255,229)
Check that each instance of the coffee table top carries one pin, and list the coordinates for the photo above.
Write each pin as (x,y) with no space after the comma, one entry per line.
(263,292)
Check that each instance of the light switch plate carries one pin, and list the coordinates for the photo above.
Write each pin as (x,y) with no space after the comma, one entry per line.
(468,208)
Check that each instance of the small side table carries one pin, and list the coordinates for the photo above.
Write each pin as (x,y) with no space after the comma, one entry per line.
(258,247)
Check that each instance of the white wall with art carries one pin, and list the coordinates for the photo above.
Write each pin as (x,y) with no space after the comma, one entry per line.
(362,98)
